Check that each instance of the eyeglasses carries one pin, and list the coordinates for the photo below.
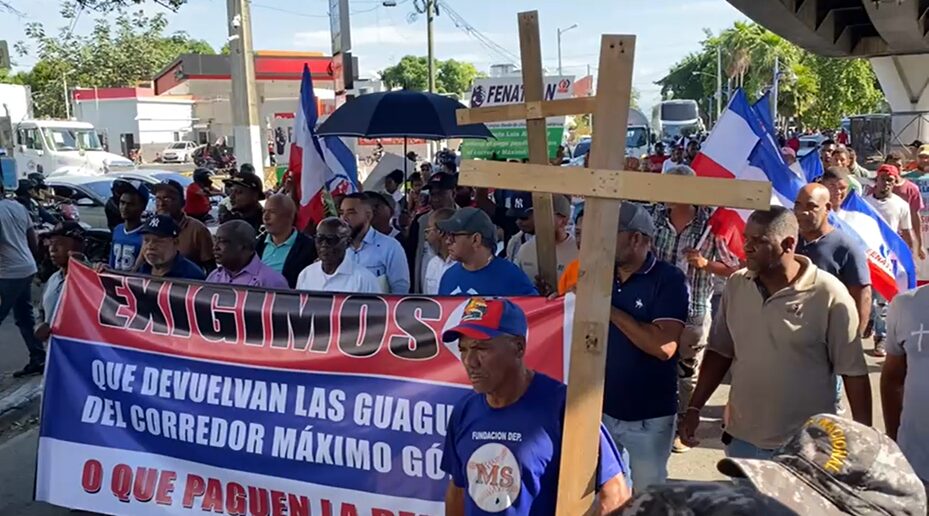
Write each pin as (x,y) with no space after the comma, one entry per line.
(454,235)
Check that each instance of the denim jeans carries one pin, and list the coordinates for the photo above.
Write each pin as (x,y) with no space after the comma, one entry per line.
(739,449)
(878,316)
(16,297)
(646,447)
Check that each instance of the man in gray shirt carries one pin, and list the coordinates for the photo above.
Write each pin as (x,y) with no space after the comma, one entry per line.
(905,377)
(17,268)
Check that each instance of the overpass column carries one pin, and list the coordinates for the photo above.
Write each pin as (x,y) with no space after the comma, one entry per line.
(905,81)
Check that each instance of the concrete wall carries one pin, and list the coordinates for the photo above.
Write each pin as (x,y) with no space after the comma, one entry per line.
(164,122)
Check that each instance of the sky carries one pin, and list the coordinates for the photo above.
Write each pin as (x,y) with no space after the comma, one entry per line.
(666,30)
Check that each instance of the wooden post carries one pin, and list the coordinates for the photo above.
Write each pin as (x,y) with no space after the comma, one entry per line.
(537,136)
(603,184)
(576,487)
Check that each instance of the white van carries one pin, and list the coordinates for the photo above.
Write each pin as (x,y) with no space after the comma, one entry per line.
(62,146)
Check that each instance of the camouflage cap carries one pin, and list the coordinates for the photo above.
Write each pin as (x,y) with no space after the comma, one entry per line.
(834,465)
(702,499)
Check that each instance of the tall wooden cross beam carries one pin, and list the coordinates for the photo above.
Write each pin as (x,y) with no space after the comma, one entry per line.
(604,184)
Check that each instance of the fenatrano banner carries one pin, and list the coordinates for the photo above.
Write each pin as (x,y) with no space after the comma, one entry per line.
(510,138)
(171,397)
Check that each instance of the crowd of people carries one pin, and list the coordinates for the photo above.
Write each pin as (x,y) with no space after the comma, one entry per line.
(785,324)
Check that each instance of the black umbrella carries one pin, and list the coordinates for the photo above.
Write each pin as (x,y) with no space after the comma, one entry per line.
(401,114)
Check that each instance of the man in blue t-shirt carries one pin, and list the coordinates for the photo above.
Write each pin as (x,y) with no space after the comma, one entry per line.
(503,445)
(162,255)
(471,238)
(832,249)
(650,302)
(127,237)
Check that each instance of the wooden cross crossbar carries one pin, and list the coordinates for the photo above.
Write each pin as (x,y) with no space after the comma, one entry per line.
(603,185)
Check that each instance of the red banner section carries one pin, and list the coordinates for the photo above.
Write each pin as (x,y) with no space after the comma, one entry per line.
(394,336)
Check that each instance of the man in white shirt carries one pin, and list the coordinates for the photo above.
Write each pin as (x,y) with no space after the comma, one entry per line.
(333,272)
(439,263)
(677,158)
(894,209)
(565,246)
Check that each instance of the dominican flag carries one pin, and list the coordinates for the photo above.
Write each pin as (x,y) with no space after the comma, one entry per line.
(812,165)
(889,258)
(317,164)
(740,147)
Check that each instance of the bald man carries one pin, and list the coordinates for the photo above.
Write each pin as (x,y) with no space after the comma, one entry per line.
(281,247)
(831,249)
(236,260)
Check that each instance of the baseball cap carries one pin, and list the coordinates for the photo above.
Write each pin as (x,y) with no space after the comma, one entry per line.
(520,205)
(923,150)
(121,186)
(169,184)
(68,228)
(441,181)
(703,499)
(248,180)
(888,169)
(484,319)
(162,226)
(634,217)
(470,220)
(835,465)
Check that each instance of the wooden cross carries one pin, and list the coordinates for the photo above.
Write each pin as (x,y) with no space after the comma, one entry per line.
(603,185)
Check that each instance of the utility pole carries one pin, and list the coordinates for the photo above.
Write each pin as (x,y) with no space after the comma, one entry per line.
(560,32)
(719,81)
(430,16)
(64,83)
(244,101)
(777,79)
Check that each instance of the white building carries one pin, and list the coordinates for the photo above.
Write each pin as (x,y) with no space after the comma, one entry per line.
(135,117)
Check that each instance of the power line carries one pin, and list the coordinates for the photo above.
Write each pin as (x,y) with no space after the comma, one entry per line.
(486,42)
(308,15)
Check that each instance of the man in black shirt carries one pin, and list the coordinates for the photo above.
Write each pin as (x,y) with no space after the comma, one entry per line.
(245,192)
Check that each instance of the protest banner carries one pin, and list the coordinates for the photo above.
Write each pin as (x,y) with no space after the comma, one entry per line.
(173,397)
(510,140)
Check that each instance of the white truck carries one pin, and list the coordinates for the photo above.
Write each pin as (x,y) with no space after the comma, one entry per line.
(55,147)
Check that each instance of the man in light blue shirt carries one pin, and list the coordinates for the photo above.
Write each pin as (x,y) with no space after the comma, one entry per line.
(373,250)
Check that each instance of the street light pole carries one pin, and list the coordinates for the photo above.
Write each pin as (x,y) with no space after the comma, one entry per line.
(777,79)
(64,83)
(247,142)
(560,32)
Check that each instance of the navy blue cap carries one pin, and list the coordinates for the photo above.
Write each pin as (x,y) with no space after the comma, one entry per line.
(121,186)
(484,319)
(172,185)
(162,226)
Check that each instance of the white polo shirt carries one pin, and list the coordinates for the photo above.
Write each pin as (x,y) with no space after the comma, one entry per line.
(347,278)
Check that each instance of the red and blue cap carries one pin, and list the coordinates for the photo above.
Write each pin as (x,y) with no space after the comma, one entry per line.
(484,319)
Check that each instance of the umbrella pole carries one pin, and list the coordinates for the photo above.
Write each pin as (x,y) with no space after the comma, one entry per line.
(405,159)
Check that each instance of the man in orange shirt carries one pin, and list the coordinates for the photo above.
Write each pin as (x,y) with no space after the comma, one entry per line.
(568,280)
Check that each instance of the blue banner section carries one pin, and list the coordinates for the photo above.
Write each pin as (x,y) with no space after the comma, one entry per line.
(352,432)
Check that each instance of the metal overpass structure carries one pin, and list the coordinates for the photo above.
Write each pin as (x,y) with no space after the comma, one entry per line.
(892,34)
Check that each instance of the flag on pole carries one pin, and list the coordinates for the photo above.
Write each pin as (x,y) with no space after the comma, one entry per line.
(317,164)
(890,260)
(740,148)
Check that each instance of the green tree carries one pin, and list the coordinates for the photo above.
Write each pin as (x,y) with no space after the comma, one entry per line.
(815,91)
(103,5)
(122,52)
(455,76)
(412,73)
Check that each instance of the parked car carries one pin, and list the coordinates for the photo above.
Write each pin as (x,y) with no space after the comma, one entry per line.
(89,194)
(179,152)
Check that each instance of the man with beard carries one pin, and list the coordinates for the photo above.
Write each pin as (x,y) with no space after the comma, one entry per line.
(373,250)
(336,271)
